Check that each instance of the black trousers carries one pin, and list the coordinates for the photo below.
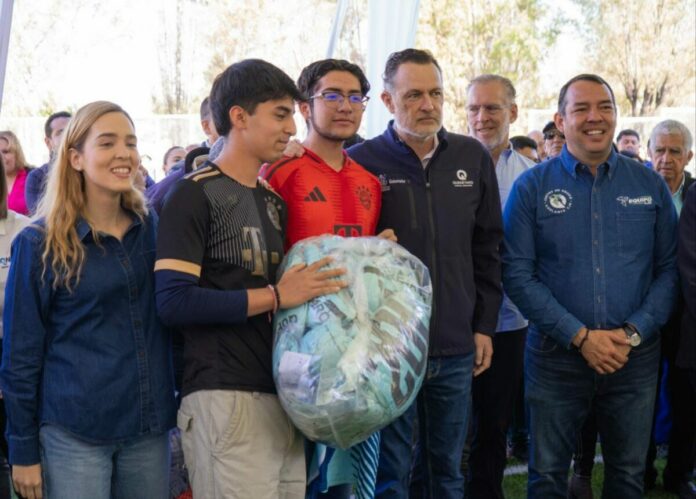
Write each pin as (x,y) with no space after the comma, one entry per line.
(682,440)
(493,398)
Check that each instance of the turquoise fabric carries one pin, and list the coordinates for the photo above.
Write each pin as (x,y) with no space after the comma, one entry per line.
(347,364)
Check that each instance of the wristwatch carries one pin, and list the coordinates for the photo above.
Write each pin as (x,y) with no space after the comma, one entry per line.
(632,334)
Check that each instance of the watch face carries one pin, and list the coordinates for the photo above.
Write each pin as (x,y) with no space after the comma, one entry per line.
(634,340)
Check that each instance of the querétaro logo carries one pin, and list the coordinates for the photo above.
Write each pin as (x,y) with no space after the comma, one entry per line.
(558,201)
(315,195)
(462,179)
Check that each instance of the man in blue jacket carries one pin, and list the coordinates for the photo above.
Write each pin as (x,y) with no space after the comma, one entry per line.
(590,259)
(440,195)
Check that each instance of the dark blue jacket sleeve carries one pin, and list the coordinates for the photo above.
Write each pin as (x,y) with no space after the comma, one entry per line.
(33,189)
(182,302)
(485,252)
(25,317)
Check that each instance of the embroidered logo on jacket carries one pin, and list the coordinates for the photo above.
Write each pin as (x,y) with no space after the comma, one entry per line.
(558,201)
(639,201)
(462,180)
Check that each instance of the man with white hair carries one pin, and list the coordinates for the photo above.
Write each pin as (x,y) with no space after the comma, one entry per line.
(491,108)
(670,152)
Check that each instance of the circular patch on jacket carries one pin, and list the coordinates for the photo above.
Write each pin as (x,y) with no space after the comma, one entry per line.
(558,201)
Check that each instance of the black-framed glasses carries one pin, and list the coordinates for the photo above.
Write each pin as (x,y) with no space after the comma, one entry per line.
(552,135)
(335,99)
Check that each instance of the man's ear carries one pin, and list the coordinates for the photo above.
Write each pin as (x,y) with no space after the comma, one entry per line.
(238,117)
(388,101)
(306,110)
(513,113)
(559,121)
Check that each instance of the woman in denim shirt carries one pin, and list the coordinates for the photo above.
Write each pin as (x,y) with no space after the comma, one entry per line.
(86,368)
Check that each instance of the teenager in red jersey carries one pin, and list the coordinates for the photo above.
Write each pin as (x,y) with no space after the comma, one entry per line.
(328,193)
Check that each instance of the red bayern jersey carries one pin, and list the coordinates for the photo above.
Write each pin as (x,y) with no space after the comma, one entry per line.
(321,200)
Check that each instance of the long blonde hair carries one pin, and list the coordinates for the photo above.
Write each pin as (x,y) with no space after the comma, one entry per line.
(64,201)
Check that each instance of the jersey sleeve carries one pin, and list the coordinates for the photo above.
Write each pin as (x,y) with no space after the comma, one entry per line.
(183,229)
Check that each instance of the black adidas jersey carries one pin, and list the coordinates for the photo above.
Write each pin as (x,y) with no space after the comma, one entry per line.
(232,236)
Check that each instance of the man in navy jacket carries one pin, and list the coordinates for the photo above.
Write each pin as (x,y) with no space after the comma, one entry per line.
(440,195)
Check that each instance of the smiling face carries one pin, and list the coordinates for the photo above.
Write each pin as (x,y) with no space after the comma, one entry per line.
(490,113)
(332,121)
(109,158)
(415,98)
(588,121)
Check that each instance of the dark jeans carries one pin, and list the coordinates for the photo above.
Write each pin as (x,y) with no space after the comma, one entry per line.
(493,397)
(583,458)
(682,441)
(442,408)
(561,388)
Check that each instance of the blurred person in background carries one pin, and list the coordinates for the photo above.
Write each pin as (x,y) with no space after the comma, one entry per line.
(36,179)
(16,170)
(553,140)
(10,224)
(538,137)
(628,144)
(173,155)
(526,146)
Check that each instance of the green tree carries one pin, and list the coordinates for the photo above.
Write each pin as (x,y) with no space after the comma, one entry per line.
(644,47)
(486,36)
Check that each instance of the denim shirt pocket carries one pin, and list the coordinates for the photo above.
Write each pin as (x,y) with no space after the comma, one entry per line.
(636,232)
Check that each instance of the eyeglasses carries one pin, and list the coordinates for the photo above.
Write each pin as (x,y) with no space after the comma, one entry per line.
(335,100)
(552,135)
(490,109)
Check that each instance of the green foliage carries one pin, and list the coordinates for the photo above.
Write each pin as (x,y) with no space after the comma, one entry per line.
(645,48)
(486,36)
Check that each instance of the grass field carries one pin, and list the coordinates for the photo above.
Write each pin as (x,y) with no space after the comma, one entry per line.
(515,486)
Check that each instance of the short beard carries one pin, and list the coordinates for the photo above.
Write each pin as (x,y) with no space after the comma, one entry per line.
(326,135)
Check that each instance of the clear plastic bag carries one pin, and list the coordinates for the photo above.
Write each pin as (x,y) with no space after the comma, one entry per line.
(348,364)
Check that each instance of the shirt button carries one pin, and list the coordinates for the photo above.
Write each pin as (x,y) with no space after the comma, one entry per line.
(595,216)
(598,270)
(595,242)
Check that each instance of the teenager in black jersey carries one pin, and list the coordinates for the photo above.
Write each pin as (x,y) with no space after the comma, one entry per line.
(219,244)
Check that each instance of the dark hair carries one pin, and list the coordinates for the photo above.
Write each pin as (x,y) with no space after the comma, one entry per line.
(549,126)
(205,109)
(247,84)
(49,121)
(522,141)
(510,91)
(628,132)
(396,59)
(310,76)
(582,77)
